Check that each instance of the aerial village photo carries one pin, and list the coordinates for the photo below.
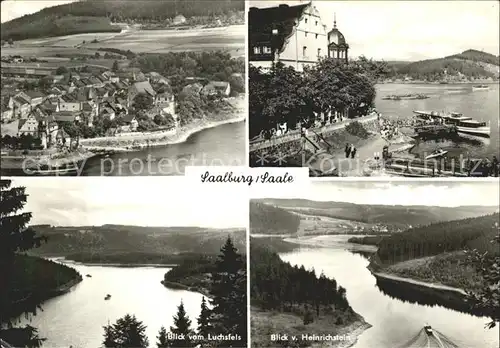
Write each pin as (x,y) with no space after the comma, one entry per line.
(85,270)
(116,87)
(379,264)
(375,88)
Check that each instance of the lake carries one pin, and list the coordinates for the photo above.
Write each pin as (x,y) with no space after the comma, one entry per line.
(77,318)
(224,145)
(394,321)
(480,105)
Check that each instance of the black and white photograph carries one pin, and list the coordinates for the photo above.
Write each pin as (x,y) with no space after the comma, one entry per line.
(376,265)
(124,262)
(122,88)
(375,88)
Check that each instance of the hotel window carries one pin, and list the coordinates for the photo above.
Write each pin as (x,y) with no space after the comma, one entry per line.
(304,51)
(316,36)
(319,52)
(256,50)
(306,20)
(267,49)
(305,33)
(316,24)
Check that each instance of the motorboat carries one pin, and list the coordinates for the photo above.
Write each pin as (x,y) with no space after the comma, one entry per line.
(436,154)
(108,296)
(428,330)
(480,88)
(88,276)
(464,124)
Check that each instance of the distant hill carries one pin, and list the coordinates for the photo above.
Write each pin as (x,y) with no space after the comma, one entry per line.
(395,215)
(87,16)
(117,239)
(468,65)
(437,238)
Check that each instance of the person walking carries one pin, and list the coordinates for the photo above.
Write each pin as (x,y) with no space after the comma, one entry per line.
(495,166)
(347,150)
(353,152)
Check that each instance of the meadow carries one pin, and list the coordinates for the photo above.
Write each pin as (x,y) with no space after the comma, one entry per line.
(230,39)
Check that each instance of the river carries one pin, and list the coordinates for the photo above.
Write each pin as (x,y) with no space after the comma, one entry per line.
(394,321)
(77,318)
(223,145)
(480,105)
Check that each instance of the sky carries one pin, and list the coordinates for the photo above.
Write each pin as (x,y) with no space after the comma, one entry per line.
(410,30)
(139,201)
(445,194)
(17,8)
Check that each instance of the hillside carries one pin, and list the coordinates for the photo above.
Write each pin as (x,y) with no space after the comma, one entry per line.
(466,66)
(438,238)
(134,244)
(267,219)
(97,15)
(400,216)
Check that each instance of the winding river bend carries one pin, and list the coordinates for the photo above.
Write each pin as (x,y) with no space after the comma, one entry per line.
(77,318)
(223,145)
(394,320)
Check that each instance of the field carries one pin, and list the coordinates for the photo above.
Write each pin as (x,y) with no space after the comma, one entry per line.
(231,39)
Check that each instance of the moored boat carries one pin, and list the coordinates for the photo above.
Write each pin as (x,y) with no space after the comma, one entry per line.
(480,87)
(436,154)
(464,124)
(108,296)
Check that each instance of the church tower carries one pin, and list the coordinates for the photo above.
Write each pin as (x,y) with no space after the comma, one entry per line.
(337,45)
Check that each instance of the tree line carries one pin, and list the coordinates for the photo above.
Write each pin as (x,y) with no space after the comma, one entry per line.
(437,238)
(277,285)
(285,95)
(225,313)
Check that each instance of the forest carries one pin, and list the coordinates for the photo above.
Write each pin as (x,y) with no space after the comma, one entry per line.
(97,15)
(441,237)
(277,285)
(225,312)
(285,95)
(468,64)
(268,219)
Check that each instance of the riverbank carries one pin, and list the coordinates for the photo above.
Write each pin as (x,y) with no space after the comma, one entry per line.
(139,141)
(179,286)
(265,323)
(31,163)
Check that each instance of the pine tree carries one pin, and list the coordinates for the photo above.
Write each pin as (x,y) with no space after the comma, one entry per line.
(229,295)
(182,330)
(127,332)
(115,67)
(204,325)
(162,338)
(16,237)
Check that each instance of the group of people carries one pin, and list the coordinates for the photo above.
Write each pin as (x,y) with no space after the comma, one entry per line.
(388,130)
(350,151)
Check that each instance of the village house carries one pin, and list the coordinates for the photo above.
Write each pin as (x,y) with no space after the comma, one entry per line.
(194,88)
(131,123)
(20,106)
(154,77)
(143,87)
(179,19)
(7,113)
(68,103)
(67,116)
(220,88)
(28,126)
(293,35)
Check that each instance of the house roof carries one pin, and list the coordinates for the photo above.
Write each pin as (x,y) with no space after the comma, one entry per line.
(194,87)
(34,94)
(61,133)
(262,22)
(143,87)
(221,85)
(65,116)
(21,100)
(129,118)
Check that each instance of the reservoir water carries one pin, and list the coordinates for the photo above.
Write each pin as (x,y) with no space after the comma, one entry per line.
(480,105)
(77,318)
(394,321)
(223,145)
